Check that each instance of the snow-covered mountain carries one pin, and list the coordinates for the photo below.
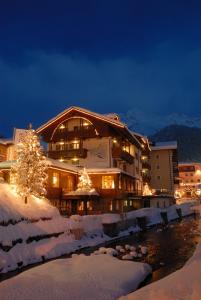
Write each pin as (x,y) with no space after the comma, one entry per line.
(188,138)
(149,123)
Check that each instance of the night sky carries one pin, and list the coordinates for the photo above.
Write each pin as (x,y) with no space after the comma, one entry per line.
(107,56)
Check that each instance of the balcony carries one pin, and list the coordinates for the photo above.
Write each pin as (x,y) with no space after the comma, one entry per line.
(146,165)
(80,132)
(118,153)
(68,154)
(146,177)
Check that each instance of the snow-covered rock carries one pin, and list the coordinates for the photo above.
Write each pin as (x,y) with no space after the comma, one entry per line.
(127,257)
(127,247)
(143,250)
(118,247)
(102,250)
(134,254)
(111,251)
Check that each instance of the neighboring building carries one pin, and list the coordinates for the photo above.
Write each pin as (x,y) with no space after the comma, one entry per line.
(6,149)
(164,167)
(105,147)
(190,179)
(145,158)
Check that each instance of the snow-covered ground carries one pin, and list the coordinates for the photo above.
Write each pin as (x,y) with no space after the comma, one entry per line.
(35,232)
(101,277)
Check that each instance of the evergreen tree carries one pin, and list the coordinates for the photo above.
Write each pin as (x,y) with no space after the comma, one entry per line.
(29,173)
(84,183)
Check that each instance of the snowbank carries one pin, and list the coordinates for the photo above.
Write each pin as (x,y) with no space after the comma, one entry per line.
(12,206)
(35,232)
(81,277)
(153,214)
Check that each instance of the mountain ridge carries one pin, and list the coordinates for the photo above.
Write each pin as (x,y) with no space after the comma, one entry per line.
(188,139)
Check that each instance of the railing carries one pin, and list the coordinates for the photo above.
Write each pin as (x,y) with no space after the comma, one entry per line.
(67,154)
(81,132)
(146,165)
(146,178)
(117,152)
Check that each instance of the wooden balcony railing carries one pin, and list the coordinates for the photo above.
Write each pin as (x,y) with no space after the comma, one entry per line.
(118,153)
(81,132)
(67,154)
(146,165)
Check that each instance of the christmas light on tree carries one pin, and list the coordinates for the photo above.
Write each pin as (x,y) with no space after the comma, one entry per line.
(84,183)
(29,173)
(146,190)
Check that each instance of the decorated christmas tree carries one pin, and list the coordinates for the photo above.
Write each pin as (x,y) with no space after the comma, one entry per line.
(84,183)
(146,190)
(29,173)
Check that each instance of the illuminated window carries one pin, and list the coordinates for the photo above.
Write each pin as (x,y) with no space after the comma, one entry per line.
(89,206)
(125,202)
(119,183)
(55,179)
(108,182)
(81,205)
(111,206)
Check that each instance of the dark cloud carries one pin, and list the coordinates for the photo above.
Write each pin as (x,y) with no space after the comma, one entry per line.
(47,83)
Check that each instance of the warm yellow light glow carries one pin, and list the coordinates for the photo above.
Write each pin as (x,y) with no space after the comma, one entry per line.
(144,157)
(54,180)
(74,159)
(108,182)
(85,124)
(198,172)
(146,190)
(198,192)
(61,160)
(114,141)
(61,143)
(61,126)
(75,141)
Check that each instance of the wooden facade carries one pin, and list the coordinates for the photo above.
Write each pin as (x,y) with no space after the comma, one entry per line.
(101,144)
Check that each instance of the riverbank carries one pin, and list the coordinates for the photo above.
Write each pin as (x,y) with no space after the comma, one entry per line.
(28,242)
(182,284)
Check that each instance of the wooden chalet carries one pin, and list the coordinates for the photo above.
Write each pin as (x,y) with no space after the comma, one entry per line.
(106,148)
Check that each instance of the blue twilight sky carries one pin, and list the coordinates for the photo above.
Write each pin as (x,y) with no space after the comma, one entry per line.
(107,56)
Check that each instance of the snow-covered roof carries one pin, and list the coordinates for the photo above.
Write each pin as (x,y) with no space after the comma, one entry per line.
(6,141)
(61,165)
(112,116)
(190,163)
(83,193)
(6,165)
(86,111)
(107,171)
(52,163)
(164,145)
